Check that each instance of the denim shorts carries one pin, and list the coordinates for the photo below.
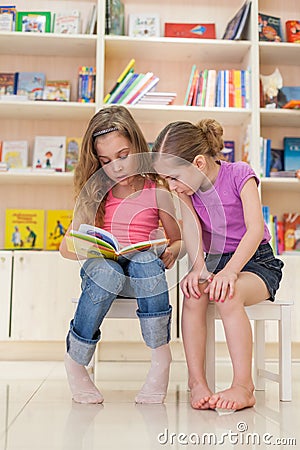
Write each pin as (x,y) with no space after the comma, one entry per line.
(263,263)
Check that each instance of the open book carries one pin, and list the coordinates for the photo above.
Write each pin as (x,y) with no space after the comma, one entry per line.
(94,242)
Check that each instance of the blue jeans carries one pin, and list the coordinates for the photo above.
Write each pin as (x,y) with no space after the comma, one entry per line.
(142,276)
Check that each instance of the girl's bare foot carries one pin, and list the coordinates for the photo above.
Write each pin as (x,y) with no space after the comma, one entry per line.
(237,397)
(200,395)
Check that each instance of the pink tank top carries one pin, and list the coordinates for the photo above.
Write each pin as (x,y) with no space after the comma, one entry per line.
(135,218)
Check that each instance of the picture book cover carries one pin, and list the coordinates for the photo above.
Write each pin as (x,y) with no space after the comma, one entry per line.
(15,154)
(33,21)
(228,151)
(57,223)
(7,18)
(49,152)
(190,30)
(24,229)
(291,231)
(292,28)
(114,17)
(67,22)
(144,25)
(94,242)
(73,147)
(277,160)
(269,28)
(291,153)
(30,84)
(7,83)
(57,90)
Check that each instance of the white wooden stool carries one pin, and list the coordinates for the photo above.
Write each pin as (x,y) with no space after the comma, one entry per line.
(121,308)
(259,313)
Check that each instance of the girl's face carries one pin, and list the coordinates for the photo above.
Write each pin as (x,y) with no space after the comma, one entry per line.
(184,179)
(114,152)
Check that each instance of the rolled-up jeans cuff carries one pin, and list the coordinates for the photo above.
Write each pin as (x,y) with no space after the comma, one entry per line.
(156,327)
(81,350)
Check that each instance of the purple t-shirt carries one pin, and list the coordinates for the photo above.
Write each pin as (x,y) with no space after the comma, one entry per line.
(220,209)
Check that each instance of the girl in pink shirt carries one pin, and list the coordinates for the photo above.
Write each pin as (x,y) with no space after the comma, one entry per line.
(222,215)
(115,191)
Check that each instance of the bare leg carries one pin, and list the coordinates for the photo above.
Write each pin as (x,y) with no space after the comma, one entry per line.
(249,289)
(82,387)
(155,387)
(194,341)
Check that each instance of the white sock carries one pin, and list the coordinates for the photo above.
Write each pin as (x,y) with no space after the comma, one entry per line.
(82,388)
(155,387)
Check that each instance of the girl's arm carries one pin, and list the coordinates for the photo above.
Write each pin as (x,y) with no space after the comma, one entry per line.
(167,216)
(249,243)
(192,235)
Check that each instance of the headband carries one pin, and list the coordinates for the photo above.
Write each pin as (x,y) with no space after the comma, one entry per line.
(107,130)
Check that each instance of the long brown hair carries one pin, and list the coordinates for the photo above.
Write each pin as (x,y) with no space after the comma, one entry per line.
(92,184)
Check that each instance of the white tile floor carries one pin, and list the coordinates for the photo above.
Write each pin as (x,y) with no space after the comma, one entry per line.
(36,413)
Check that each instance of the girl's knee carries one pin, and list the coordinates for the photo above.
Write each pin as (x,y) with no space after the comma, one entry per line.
(103,274)
(145,265)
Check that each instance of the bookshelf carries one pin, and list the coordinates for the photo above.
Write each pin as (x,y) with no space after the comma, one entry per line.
(60,56)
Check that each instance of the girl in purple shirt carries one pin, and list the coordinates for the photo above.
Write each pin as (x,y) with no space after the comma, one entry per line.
(232,262)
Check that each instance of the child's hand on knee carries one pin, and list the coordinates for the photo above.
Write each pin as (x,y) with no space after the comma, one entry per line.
(190,284)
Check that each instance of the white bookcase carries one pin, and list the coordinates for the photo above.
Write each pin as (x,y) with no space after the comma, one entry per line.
(60,56)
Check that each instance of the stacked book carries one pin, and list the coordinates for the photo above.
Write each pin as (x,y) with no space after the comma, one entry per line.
(132,88)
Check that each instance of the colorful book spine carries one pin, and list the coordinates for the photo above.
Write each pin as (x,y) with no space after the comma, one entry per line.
(152,83)
(194,67)
(86,84)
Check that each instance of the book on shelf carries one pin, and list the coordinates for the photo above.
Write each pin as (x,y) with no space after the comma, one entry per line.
(189,86)
(283,174)
(277,160)
(236,27)
(269,28)
(30,84)
(143,25)
(292,28)
(228,151)
(291,147)
(7,83)
(157,98)
(140,82)
(114,17)
(24,229)
(93,242)
(73,146)
(7,18)
(33,21)
(91,26)
(68,22)
(57,90)
(57,223)
(144,90)
(14,154)
(49,152)
(265,157)
(86,84)
(291,231)
(190,30)
(127,84)
(120,79)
